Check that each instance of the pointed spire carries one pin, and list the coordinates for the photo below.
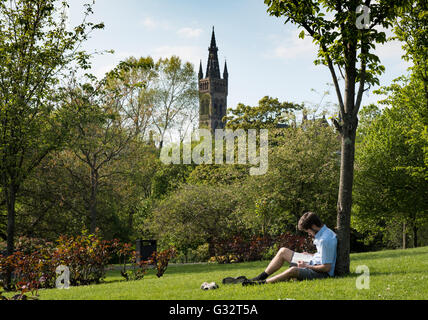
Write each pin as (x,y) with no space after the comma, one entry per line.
(213,67)
(201,73)
(213,42)
(225,72)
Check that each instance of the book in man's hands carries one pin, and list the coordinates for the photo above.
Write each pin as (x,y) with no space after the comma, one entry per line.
(301,257)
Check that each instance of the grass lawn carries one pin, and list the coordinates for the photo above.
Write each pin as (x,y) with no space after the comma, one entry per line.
(398,274)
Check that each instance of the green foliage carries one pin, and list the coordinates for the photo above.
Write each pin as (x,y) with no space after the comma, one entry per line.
(194,215)
(336,31)
(36,52)
(268,114)
(218,174)
(366,116)
(411,29)
(168,179)
(216,202)
(302,176)
(176,96)
(391,177)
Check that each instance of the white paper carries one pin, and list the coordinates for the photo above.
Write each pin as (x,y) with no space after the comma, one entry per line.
(301,257)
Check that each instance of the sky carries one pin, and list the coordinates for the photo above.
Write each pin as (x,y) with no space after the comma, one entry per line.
(264,56)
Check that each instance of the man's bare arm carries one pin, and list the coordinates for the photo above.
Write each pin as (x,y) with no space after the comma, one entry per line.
(319,268)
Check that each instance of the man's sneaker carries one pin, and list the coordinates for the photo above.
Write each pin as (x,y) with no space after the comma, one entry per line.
(253,282)
(237,280)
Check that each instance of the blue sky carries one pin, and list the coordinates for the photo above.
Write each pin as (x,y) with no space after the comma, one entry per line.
(264,56)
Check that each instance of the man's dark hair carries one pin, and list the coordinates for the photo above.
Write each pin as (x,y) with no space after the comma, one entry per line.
(308,220)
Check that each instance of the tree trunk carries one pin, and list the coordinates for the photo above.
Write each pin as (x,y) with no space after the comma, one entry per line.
(10,195)
(404,236)
(211,248)
(131,220)
(344,203)
(415,236)
(93,201)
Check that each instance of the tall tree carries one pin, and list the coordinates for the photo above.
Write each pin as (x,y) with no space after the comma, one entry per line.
(106,119)
(176,94)
(391,181)
(36,51)
(332,24)
(412,30)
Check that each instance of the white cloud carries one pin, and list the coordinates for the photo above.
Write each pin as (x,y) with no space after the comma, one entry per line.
(291,47)
(151,23)
(190,54)
(190,32)
(391,49)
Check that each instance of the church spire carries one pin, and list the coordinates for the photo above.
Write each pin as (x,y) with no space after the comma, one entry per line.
(201,73)
(213,68)
(225,72)
(213,42)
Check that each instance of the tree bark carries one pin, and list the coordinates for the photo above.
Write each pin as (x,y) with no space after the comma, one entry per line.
(11,200)
(404,236)
(10,195)
(211,248)
(131,220)
(344,203)
(415,236)
(93,204)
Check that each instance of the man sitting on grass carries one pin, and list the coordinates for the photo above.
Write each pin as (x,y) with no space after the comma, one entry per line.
(320,266)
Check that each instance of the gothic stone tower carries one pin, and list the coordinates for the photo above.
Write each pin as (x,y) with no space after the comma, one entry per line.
(212,91)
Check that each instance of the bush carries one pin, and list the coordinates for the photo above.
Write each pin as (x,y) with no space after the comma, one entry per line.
(32,268)
(33,265)
(127,255)
(161,260)
(86,256)
(296,243)
(28,245)
(240,248)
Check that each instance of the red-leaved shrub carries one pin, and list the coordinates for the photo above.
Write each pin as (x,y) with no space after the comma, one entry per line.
(34,263)
(296,242)
(86,256)
(161,260)
(127,255)
(239,248)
